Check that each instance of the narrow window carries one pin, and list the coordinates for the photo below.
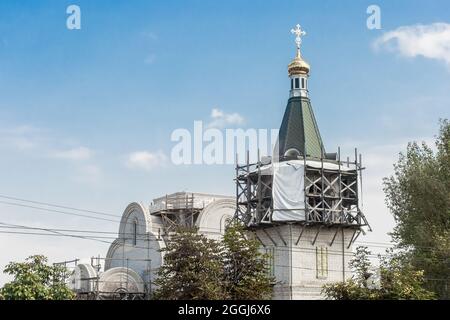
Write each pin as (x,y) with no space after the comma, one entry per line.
(135,233)
(297,83)
(292,84)
(270,261)
(303,83)
(322,262)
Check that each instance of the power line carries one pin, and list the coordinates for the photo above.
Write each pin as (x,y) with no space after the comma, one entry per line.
(148,236)
(53,234)
(145,225)
(10,226)
(109,214)
(58,206)
(56,232)
(56,211)
(96,238)
(70,208)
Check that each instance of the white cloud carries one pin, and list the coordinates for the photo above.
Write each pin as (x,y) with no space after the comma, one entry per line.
(431,41)
(26,138)
(21,143)
(220,119)
(23,129)
(22,138)
(378,159)
(146,160)
(41,145)
(78,153)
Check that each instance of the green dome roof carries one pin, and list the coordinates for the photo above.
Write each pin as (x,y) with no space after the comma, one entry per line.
(299,130)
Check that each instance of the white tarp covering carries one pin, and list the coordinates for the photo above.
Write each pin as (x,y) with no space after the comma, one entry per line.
(328,165)
(288,191)
(267,169)
(288,185)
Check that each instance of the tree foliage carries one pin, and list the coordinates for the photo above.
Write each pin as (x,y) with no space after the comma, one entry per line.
(418,195)
(197,268)
(402,280)
(34,279)
(246,273)
(192,268)
(394,279)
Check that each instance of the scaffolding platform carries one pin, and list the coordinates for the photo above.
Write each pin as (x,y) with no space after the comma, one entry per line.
(181,209)
(331,192)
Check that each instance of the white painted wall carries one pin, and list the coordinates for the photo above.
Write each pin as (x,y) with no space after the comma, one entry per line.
(295,261)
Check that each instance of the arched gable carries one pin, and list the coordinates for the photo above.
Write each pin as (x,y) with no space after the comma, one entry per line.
(121,279)
(135,215)
(213,218)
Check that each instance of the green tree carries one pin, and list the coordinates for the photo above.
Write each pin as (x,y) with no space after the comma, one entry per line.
(418,195)
(356,288)
(246,273)
(397,280)
(34,279)
(199,268)
(192,269)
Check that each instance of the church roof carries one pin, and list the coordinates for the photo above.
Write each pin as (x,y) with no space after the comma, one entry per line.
(299,129)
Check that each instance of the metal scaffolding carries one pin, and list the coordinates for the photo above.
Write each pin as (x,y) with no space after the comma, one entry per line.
(332,196)
(179,210)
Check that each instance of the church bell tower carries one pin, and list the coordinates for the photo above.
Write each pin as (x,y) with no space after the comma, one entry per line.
(303,204)
(299,133)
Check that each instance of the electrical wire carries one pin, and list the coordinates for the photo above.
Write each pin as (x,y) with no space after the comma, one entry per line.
(56,211)
(214,230)
(58,206)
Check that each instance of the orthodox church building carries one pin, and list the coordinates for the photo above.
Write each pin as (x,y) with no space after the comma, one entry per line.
(301,204)
(132,261)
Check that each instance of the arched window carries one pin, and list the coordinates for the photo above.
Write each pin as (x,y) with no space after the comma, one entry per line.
(134,232)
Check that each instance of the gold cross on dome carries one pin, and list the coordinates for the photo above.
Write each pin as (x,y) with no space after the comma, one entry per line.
(298,35)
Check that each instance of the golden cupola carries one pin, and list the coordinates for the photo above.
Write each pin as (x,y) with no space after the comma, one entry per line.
(298,66)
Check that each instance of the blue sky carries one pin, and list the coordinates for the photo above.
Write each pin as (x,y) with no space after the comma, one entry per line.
(76,103)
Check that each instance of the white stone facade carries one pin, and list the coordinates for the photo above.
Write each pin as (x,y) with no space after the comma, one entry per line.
(302,267)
